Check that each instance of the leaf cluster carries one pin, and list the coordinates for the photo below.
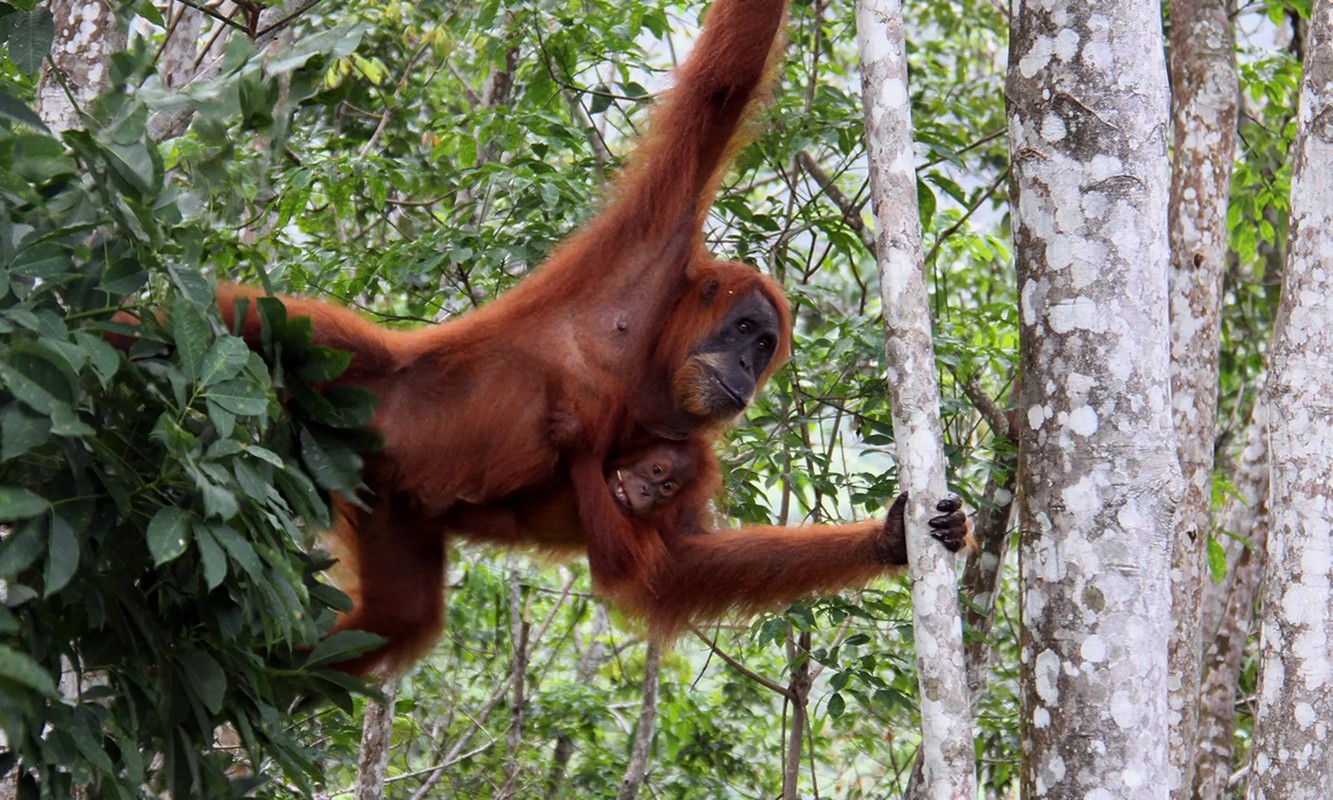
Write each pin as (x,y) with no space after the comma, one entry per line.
(156,476)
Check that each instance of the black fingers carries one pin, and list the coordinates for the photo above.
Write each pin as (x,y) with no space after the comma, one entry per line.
(949,503)
(944,522)
(951,528)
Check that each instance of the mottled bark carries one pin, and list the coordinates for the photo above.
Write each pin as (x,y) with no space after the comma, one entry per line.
(86,37)
(641,754)
(1099,480)
(180,55)
(1293,756)
(1205,99)
(1228,610)
(948,760)
(376,737)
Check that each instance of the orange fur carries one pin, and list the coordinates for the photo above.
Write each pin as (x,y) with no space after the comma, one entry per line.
(498,426)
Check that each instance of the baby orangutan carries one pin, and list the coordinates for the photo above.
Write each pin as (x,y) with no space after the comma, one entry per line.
(639,487)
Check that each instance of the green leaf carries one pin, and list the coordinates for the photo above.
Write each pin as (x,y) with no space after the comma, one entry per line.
(20,549)
(238,548)
(323,364)
(134,163)
(340,407)
(190,330)
(332,464)
(206,678)
(211,555)
(223,361)
(168,534)
(41,158)
(22,669)
(86,737)
(148,11)
(241,396)
(21,432)
(30,38)
(18,503)
(601,99)
(34,378)
(16,111)
(1217,560)
(218,501)
(65,422)
(103,357)
(62,558)
(331,596)
(42,260)
(836,705)
(342,646)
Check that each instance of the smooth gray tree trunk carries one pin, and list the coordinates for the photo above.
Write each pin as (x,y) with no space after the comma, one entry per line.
(1088,113)
(1293,756)
(947,757)
(1204,106)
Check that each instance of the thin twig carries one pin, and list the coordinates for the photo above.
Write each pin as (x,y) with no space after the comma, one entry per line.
(952,229)
(741,668)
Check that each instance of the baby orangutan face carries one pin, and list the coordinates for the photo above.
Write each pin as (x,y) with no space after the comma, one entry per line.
(647,480)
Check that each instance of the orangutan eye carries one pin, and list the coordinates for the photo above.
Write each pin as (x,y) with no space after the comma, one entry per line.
(657,469)
(668,486)
(744,326)
(765,343)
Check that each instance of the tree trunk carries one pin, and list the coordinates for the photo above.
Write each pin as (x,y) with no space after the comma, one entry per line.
(78,71)
(1292,755)
(798,696)
(1088,108)
(376,737)
(1203,78)
(519,625)
(948,761)
(642,753)
(1228,610)
(984,572)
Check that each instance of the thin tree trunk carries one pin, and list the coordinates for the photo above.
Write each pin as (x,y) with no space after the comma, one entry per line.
(641,755)
(519,626)
(376,737)
(1205,86)
(1228,610)
(948,762)
(984,571)
(798,693)
(1293,756)
(1099,479)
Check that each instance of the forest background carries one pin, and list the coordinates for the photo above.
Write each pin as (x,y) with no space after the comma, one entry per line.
(413,160)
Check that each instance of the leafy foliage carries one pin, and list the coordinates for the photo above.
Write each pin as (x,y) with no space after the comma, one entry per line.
(155,564)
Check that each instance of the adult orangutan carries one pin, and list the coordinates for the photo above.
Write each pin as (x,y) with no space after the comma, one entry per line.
(630,335)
